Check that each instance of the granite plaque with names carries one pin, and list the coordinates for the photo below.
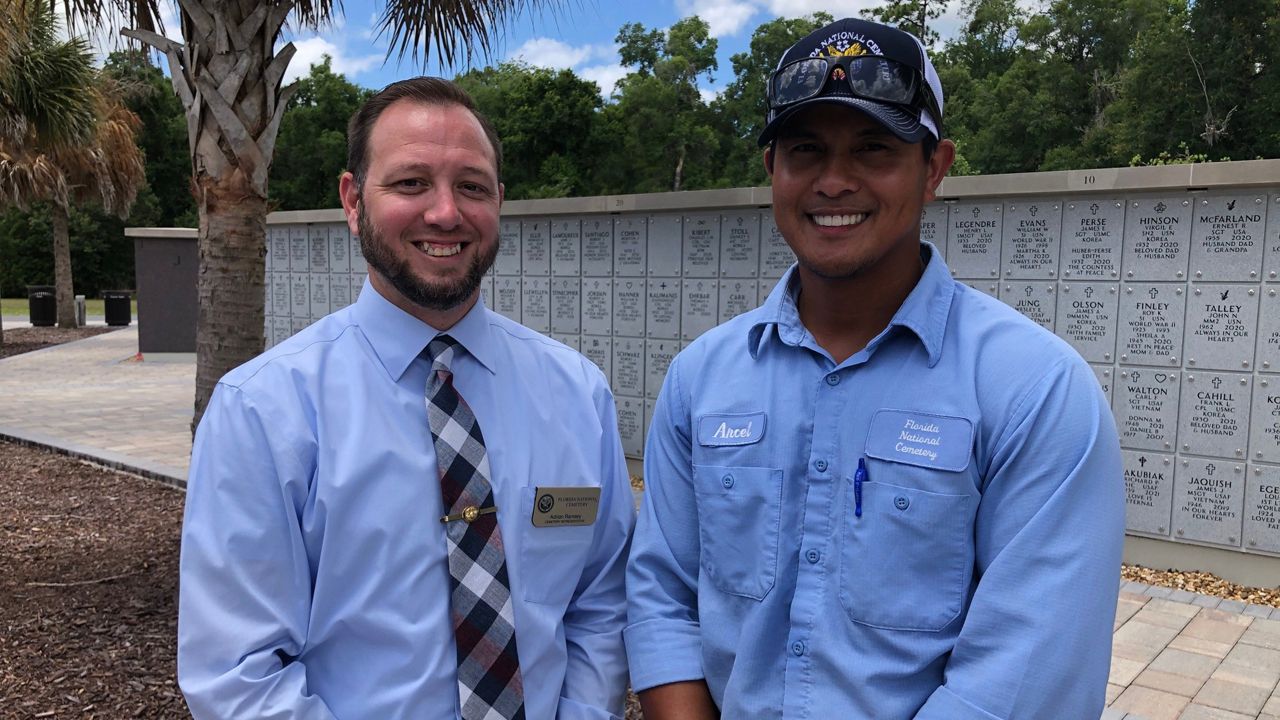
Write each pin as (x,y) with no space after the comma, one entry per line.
(649,407)
(566,248)
(1208,501)
(487,286)
(535,303)
(300,295)
(1268,357)
(699,306)
(281,329)
(508,260)
(933,226)
(280,249)
(987,287)
(298,324)
(1271,254)
(631,425)
(597,306)
(1146,409)
(1151,324)
(318,243)
(628,366)
(573,341)
(973,240)
(597,247)
(631,238)
(535,247)
(299,249)
(1220,327)
(1148,482)
(1264,427)
(357,284)
(766,287)
(1106,375)
(319,295)
(1157,239)
(339,248)
(1092,232)
(339,291)
(507,296)
(1030,240)
(1262,509)
(280,306)
(736,297)
(566,305)
(775,254)
(1215,414)
(359,266)
(701,257)
(658,357)
(1087,314)
(1227,237)
(1036,300)
(629,296)
(740,245)
(599,350)
(665,243)
(663,309)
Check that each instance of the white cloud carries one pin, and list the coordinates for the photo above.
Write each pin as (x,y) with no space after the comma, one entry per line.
(311,51)
(709,94)
(549,53)
(606,76)
(802,8)
(724,17)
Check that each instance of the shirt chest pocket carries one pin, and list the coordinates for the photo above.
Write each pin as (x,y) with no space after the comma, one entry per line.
(552,558)
(738,514)
(907,562)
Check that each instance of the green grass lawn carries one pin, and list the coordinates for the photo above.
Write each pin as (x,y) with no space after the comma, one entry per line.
(17,307)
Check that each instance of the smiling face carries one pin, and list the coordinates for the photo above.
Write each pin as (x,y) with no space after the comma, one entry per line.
(427,211)
(847,194)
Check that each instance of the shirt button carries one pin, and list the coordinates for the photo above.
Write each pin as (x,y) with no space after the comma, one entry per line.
(727,480)
(821,465)
(901,502)
(797,648)
(833,379)
(813,556)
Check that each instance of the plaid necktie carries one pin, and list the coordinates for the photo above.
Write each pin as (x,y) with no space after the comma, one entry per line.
(489,683)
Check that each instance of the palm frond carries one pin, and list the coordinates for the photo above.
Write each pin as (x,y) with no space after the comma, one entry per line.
(45,80)
(451,27)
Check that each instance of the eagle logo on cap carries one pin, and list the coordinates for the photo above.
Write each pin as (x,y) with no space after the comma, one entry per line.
(852,50)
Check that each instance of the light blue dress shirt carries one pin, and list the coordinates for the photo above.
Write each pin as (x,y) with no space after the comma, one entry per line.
(971,574)
(314,569)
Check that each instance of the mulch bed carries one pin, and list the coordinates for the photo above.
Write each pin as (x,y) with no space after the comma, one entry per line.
(25,339)
(88,583)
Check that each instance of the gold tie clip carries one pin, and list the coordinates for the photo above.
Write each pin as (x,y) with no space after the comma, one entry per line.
(469,513)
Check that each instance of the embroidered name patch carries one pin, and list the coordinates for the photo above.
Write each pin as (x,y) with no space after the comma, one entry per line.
(731,429)
(942,442)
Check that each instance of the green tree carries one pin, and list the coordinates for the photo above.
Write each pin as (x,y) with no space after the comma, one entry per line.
(658,132)
(72,140)
(229,75)
(165,200)
(545,119)
(914,16)
(741,109)
(311,152)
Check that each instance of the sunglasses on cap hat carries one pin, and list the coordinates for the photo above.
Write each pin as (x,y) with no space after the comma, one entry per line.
(870,77)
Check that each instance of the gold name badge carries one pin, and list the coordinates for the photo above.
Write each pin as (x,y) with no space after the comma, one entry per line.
(565,506)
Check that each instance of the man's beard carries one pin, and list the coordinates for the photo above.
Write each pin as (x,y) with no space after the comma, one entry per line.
(442,295)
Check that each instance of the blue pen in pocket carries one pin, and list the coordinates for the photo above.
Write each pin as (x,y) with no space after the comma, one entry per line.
(859,477)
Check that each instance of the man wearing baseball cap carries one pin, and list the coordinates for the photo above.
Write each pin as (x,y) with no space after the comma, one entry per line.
(881,494)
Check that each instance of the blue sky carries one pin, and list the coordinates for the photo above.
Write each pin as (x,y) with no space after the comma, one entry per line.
(579,37)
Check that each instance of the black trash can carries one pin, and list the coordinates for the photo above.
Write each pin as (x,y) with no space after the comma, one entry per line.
(116,306)
(42,305)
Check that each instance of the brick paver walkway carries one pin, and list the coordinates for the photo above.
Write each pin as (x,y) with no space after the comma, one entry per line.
(1176,656)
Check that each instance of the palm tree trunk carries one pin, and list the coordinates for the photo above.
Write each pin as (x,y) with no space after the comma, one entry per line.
(62,267)
(231,282)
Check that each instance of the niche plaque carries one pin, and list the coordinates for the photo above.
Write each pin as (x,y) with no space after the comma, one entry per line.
(1151,324)
(1148,481)
(1031,240)
(1157,239)
(1146,408)
(1227,237)
(973,240)
(1215,414)
(1091,233)
(1220,327)
(1208,501)
(1087,315)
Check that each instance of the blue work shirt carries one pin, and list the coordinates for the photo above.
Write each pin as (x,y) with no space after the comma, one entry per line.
(314,567)
(980,578)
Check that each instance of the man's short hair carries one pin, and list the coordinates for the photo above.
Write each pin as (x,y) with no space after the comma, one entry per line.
(423,90)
